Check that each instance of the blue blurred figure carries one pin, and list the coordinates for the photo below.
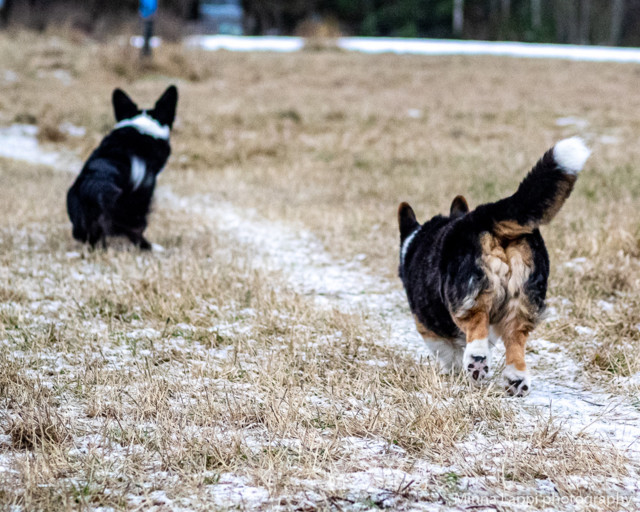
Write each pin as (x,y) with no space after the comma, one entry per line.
(147,9)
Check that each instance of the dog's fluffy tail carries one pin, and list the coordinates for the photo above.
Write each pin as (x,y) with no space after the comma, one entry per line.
(543,191)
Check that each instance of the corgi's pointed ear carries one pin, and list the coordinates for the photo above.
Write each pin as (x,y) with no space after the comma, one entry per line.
(123,106)
(459,207)
(407,221)
(165,108)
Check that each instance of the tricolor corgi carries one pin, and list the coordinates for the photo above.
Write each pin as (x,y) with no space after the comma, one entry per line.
(112,194)
(475,276)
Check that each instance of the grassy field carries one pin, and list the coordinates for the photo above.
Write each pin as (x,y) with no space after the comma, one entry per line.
(264,358)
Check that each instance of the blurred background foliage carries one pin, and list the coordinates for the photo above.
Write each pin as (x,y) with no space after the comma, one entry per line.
(609,22)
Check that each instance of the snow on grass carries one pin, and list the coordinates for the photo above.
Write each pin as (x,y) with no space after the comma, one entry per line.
(235,491)
(557,387)
(558,390)
(20,142)
(247,43)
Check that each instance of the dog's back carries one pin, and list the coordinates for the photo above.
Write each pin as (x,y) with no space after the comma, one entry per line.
(483,274)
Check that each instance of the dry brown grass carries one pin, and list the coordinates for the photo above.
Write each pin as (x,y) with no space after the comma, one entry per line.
(132,380)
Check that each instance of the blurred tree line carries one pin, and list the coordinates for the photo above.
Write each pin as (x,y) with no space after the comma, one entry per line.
(564,21)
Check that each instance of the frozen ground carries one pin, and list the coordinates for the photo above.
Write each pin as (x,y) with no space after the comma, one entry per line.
(346,285)
(559,390)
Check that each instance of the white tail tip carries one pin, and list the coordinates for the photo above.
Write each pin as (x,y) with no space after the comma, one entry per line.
(571,154)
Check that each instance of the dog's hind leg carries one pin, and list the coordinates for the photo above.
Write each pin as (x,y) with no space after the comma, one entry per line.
(79,234)
(514,331)
(476,360)
(517,381)
(144,244)
(136,237)
(139,241)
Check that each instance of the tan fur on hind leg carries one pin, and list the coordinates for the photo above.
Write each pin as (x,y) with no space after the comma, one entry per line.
(476,360)
(517,381)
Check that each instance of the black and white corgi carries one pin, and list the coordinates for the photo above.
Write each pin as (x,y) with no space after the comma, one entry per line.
(112,194)
(475,276)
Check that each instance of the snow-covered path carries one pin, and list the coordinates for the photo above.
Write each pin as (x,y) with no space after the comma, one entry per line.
(558,389)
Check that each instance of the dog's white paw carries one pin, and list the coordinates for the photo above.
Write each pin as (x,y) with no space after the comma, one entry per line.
(477,359)
(516,382)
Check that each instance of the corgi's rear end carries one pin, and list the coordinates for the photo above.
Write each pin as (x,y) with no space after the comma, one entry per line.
(112,194)
(475,276)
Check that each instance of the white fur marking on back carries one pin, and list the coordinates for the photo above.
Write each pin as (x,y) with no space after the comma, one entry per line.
(571,154)
(138,171)
(406,243)
(146,125)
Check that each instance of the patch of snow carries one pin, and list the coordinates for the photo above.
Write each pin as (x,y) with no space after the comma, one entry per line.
(576,263)
(10,76)
(247,43)
(20,142)
(63,76)
(73,130)
(237,491)
(498,48)
(147,332)
(609,139)
(585,331)
(551,314)
(606,306)
(572,121)
(419,47)
(556,388)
